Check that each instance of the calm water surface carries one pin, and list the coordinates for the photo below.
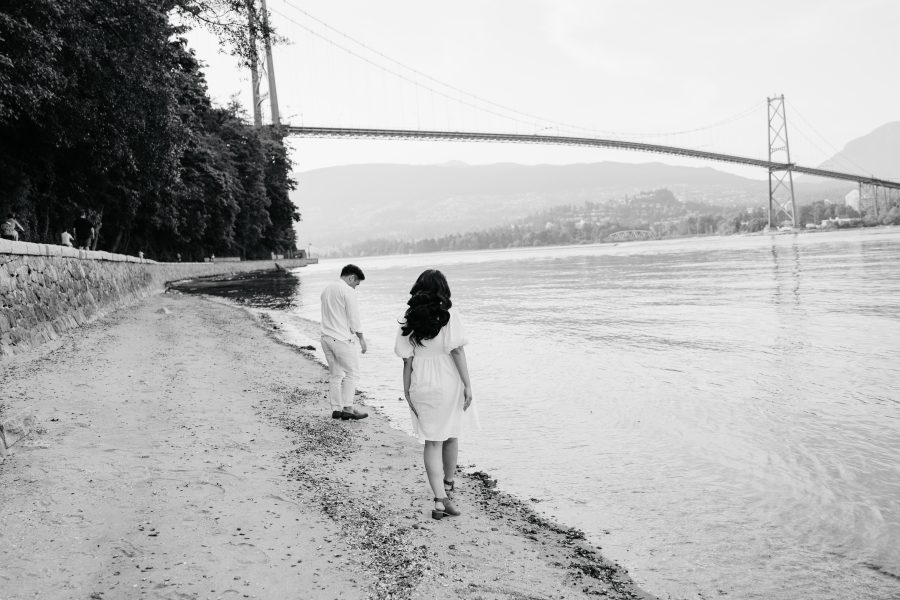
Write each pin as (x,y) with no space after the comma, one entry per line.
(721,416)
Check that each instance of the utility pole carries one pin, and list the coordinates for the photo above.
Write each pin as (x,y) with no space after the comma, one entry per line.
(270,67)
(254,70)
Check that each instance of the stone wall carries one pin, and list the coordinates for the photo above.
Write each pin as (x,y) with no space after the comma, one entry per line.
(46,290)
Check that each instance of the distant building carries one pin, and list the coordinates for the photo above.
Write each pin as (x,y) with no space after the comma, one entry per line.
(841,222)
(852,199)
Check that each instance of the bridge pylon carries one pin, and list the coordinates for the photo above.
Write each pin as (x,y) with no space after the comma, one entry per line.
(875,200)
(270,66)
(253,27)
(782,205)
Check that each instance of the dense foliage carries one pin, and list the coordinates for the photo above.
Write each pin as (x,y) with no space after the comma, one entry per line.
(104,109)
(658,211)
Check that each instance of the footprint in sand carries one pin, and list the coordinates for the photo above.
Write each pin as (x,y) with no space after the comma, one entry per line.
(249,554)
(283,499)
(125,549)
(201,490)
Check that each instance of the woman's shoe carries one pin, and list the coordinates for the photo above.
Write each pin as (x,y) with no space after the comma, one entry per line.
(449,485)
(448,509)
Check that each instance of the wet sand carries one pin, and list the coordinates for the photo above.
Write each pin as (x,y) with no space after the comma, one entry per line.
(177,449)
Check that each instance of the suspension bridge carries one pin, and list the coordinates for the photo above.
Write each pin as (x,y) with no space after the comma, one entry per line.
(782,207)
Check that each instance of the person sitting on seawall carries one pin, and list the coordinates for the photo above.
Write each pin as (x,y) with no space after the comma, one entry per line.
(84,232)
(10,228)
(66,238)
(436,383)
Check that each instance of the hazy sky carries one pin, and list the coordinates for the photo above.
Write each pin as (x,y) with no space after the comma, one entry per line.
(619,68)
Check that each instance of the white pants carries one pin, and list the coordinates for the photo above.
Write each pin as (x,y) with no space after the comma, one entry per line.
(343,367)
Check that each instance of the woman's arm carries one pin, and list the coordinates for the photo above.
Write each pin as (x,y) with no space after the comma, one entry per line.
(407,380)
(459,358)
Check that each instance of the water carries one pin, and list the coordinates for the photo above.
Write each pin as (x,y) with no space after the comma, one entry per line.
(720,415)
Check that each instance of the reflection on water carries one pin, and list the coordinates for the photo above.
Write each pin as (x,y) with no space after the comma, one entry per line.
(276,290)
(720,415)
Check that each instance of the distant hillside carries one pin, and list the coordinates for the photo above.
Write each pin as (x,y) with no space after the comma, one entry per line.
(877,153)
(658,211)
(341,205)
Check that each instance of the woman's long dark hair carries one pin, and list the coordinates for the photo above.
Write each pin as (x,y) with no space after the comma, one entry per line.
(429,307)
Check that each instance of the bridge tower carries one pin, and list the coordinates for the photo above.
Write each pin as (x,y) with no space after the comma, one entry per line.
(254,68)
(254,64)
(270,67)
(781,179)
(868,199)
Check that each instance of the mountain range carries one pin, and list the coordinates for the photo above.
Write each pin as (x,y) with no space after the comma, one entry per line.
(877,153)
(351,203)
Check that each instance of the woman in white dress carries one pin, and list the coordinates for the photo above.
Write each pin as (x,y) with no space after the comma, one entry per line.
(436,383)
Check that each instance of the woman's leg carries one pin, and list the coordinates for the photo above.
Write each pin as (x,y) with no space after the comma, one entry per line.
(449,455)
(434,468)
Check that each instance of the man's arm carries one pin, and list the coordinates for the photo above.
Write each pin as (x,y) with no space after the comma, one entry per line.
(353,320)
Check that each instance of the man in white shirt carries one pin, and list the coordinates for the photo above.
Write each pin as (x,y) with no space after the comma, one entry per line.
(340,331)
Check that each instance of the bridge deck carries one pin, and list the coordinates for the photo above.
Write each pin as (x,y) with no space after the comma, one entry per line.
(474,136)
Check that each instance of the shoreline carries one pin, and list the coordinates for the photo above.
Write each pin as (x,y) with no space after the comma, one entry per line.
(237,430)
(586,560)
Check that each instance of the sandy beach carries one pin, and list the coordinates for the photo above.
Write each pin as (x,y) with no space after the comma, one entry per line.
(176,449)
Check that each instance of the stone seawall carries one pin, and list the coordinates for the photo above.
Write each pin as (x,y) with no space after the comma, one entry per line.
(46,290)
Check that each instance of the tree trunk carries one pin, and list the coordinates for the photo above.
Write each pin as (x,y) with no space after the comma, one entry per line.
(97,231)
(96,236)
(115,245)
(46,236)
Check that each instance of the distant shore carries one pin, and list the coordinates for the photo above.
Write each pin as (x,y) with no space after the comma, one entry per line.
(761,232)
(177,447)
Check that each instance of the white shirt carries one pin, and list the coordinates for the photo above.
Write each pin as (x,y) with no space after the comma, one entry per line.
(66,238)
(340,313)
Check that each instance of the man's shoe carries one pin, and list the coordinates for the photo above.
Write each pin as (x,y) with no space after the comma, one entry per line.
(353,414)
(336,414)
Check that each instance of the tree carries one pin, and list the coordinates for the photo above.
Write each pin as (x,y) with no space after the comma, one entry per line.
(103,108)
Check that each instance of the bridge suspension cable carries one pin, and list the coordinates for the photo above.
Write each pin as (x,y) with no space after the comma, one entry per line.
(398,74)
(837,154)
(477,102)
(575,135)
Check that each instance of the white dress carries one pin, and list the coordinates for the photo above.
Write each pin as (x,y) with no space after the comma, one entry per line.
(436,389)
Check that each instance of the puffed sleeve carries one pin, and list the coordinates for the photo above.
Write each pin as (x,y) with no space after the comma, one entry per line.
(403,347)
(454,334)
